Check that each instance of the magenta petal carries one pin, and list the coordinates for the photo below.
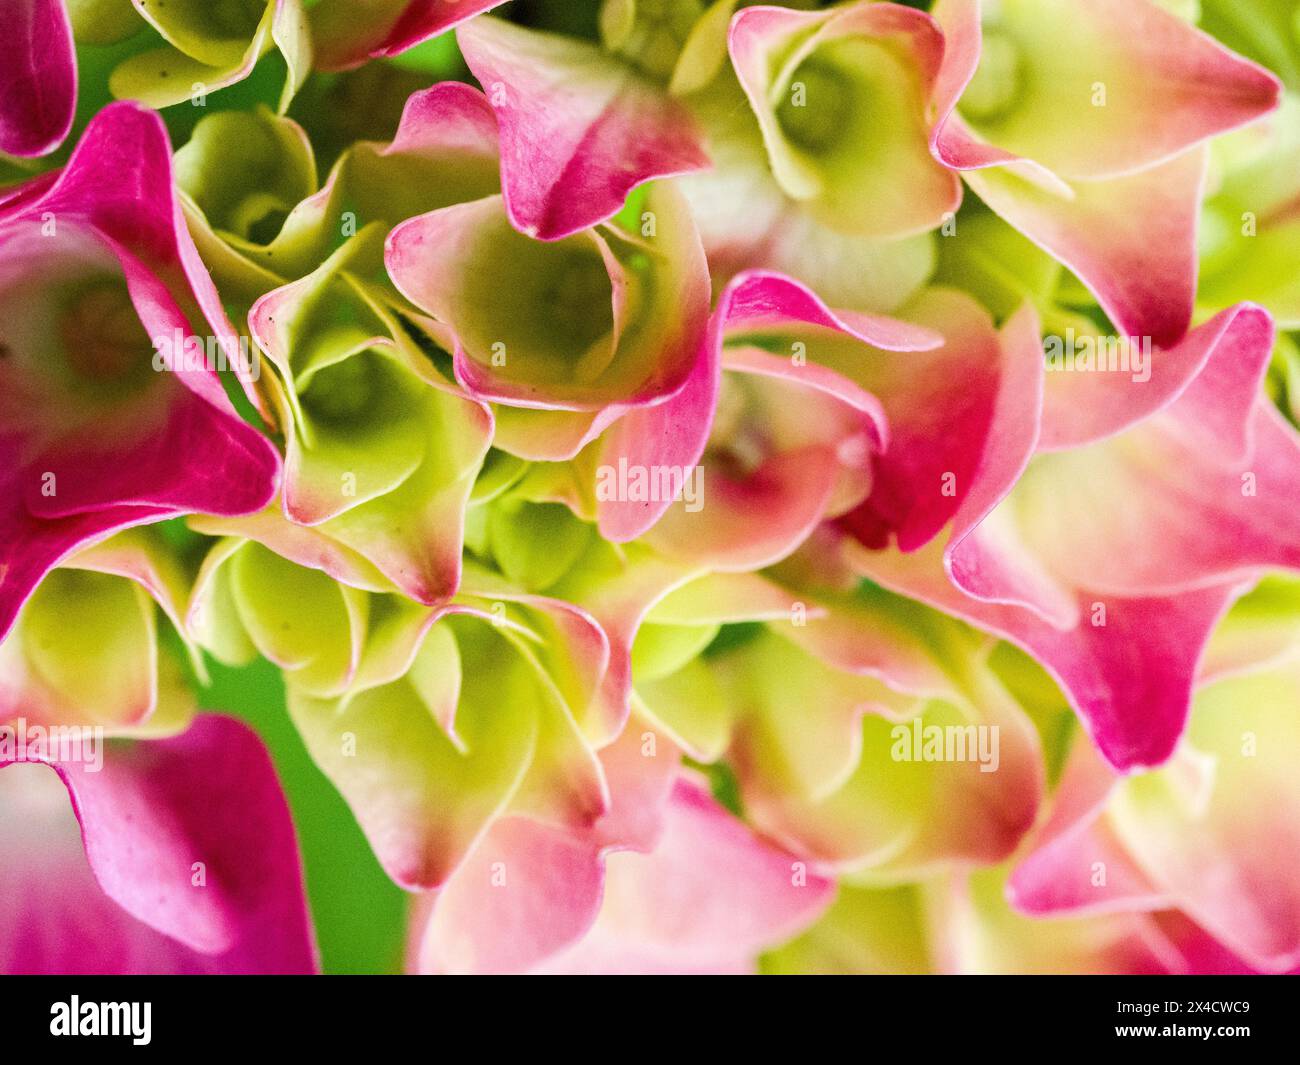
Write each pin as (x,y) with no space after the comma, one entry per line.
(184,448)
(448,118)
(1056,875)
(345,37)
(423,19)
(1131,239)
(1082,408)
(673,433)
(963,422)
(761,299)
(1200,494)
(579,129)
(1129,679)
(118,182)
(38,82)
(192,837)
(676,432)
(1122,631)
(823,431)
(1132,678)
(199,459)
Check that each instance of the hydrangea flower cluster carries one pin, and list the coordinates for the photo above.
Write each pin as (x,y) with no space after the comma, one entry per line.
(726,486)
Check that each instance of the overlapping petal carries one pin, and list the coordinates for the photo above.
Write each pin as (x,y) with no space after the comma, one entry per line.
(841,99)
(1206,834)
(96,436)
(1070,134)
(1042,568)
(108,670)
(579,128)
(190,862)
(346,33)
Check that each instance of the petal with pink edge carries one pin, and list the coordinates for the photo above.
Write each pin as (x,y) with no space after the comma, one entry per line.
(579,129)
(1227,861)
(1206,833)
(1095,88)
(707,899)
(602,319)
(346,33)
(841,97)
(1130,679)
(1131,239)
(530,890)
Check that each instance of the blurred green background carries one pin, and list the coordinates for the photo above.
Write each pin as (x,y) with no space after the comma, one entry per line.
(358,912)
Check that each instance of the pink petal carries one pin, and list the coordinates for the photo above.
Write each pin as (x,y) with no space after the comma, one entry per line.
(529,890)
(1130,680)
(709,898)
(1201,496)
(675,433)
(943,406)
(1208,834)
(1082,407)
(115,199)
(1131,239)
(820,430)
(192,838)
(579,129)
(1060,875)
(38,84)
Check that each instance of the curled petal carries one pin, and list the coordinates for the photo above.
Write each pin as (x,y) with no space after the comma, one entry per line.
(191,838)
(841,98)
(579,128)
(346,32)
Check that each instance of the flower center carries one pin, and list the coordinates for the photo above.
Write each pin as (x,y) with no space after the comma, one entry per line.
(817,106)
(344,391)
(576,300)
(102,336)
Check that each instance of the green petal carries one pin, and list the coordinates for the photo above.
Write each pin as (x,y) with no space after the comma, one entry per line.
(301,619)
(276,170)
(535,544)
